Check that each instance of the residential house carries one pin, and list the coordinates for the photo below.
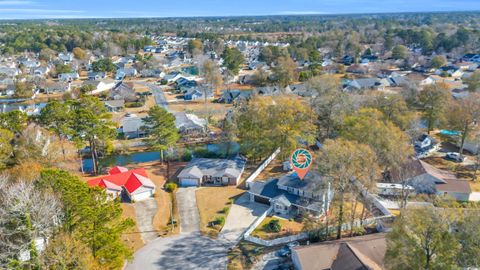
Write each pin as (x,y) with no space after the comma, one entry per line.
(132,126)
(451,71)
(41,71)
(198,93)
(123,91)
(269,91)
(57,87)
(123,73)
(9,71)
(100,86)
(30,64)
(471,57)
(151,73)
(425,144)
(235,96)
(115,105)
(359,253)
(183,83)
(120,181)
(68,77)
(207,171)
(365,84)
(96,76)
(172,77)
(66,58)
(428,179)
(190,124)
(291,195)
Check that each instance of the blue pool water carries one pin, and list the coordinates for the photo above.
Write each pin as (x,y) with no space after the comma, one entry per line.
(449,132)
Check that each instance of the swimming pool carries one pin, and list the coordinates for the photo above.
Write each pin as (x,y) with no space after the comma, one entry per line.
(449,132)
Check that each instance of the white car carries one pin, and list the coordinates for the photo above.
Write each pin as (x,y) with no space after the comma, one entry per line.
(454,156)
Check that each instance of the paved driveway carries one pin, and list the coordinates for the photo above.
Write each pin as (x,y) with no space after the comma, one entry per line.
(242,214)
(187,251)
(187,208)
(145,210)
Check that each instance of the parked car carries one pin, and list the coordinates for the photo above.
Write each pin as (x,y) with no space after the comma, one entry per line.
(287,250)
(454,156)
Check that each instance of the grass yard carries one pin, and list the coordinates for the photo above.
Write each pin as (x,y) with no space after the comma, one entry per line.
(475,186)
(213,202)
(287,228)
(273,170)
(215,110)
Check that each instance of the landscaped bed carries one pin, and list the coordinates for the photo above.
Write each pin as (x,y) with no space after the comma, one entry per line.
(286,227)
(213,206)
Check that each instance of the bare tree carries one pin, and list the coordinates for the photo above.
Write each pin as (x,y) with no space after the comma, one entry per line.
(26,216)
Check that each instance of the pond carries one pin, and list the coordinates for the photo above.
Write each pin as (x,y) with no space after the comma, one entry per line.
(209,150)
(192,70)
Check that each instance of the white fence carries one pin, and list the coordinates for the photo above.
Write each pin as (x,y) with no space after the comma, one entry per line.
(261,167)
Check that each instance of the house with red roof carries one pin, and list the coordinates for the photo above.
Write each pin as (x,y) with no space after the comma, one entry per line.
(133,183)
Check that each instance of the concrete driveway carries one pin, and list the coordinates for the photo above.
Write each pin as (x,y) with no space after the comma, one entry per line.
(242,214)
(145,210)
(186,251)
(187,208)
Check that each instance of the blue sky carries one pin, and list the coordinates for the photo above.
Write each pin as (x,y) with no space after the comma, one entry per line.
(38,9)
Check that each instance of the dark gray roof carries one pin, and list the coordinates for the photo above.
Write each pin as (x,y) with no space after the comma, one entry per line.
(270,190)
(312,181)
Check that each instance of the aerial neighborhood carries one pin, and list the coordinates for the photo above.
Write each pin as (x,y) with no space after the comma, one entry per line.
(168,143)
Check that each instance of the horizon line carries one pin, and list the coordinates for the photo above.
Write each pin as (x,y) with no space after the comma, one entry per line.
(293,14)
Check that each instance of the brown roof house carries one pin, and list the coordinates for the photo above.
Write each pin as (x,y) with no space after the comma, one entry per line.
(425,178)
(358,253)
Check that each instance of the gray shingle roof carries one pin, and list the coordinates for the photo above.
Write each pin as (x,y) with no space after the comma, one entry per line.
(199,167)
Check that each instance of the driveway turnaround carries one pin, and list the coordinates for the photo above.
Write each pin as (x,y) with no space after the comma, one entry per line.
(187,208)
(189,251)
(242,214)
(145,211)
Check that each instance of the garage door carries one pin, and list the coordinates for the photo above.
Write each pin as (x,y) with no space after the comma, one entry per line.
(262,200)
(189,182)
(142,196)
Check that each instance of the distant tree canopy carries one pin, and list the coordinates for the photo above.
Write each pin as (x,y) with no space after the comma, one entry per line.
(104,65)
(233,59)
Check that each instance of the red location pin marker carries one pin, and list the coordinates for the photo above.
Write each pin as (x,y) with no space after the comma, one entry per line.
(301,161)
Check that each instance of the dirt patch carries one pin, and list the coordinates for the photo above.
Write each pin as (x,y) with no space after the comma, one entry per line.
(213,202)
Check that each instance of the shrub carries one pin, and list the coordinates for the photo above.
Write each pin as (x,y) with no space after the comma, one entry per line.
(219,221)
(187,155)
(225,210)
(170,187)
(274,226)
